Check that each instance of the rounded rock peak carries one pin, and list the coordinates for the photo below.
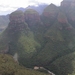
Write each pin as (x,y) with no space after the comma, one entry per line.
(31,16)
(17,12)
(51,8)
(17,16)
(31,11)
(49,14)
(50,11)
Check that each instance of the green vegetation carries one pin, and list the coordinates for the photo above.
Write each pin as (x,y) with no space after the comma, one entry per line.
(18,38)
(45,41)
(9,67)
(31,11)
(18,12)
(64,65)
(33,20)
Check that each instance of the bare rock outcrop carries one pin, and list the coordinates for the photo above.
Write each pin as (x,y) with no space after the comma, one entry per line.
(31,17)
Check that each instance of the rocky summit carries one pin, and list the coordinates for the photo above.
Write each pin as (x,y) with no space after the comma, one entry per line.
(49,14)
(31,17)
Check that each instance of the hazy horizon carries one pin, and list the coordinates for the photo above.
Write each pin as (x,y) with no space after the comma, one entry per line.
(7,6)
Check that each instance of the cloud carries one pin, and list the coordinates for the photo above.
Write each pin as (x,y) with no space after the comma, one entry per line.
(5,9)
(33,1)
(56,2)
(11,5)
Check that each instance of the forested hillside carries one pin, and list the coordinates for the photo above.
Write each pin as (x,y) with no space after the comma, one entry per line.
(9,67)
(46,40)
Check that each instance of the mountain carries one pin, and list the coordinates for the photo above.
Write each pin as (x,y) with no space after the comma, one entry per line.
(45,40)
(4,19)
(58,39)
(39,8)
(18,38)
(49,15)
(31,17)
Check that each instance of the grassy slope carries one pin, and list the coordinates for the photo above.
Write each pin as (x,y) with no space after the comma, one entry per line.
(9,67)
(18,38)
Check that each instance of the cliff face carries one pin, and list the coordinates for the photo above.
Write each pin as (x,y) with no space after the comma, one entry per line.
(49,14)
(68,3)
(68,7)
(59,37)
(35,24)
(31,17)
(59,43)
(17,38)
(17,23)
(17,17)
(46,40)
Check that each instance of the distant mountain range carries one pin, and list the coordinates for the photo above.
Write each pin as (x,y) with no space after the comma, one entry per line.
(38,8)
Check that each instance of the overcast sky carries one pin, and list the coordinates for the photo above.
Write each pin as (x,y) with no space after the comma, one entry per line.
(7,6)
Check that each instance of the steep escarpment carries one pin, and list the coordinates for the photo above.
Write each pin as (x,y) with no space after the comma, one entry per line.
(49,14)
(33,20)
(68,7)
(35,24)
(60,39)
(17,38)
(31,17)
(66,3)
(46,40)
(59,36)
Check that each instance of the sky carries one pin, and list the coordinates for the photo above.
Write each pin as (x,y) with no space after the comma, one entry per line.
(7,6)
